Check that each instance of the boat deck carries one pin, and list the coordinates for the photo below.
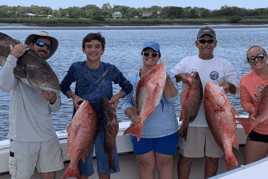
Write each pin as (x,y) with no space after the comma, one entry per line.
(129,167)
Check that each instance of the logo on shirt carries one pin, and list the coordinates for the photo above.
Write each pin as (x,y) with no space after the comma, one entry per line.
(259,89)
(214,75)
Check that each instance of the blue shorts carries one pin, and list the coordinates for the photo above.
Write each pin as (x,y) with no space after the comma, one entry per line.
(101,157)
(164,145)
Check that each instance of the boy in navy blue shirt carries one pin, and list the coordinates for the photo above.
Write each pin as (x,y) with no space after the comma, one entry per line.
(93,80)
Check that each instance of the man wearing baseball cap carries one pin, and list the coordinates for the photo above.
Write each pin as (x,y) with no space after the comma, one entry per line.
(33,140)
(199,141)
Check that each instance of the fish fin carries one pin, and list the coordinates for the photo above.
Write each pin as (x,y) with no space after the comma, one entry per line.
(2,60)
(235,112)
(72,172)
(135,129)
(66,152)
(19,73)
(230,160)
(235,143)
(247,123)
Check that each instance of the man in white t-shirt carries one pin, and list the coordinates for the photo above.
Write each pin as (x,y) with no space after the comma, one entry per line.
(33,140)
(200,141)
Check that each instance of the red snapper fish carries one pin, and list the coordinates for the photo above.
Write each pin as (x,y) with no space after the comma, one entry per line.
(220,116)
(82,132)
(191,98)
(259,115)
(111,127)
(149,91)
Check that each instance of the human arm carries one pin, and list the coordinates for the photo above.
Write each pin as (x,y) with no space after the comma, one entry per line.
(135,119)
(231,82)
(65,86)
(246,100)
(114,100)
(7,78)
(170,90)
(228,87)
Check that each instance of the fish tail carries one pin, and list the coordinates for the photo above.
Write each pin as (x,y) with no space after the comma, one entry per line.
(182,132)
(247,123)
(2,60)
(72,172)
(230,160)
(135,129)
(111,163)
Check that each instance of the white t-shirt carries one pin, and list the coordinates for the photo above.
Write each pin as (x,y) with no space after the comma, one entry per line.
(214,70)
(30,115)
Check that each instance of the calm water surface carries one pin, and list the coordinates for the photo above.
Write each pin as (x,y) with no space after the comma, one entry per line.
(123,49)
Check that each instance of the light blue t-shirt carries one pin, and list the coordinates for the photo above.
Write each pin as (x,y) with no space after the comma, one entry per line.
(163,121)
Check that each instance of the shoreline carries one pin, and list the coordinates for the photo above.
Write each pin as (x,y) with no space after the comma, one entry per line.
(15,26)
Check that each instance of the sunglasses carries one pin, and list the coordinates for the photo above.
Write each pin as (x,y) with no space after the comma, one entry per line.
(202,41)
(42,44)
(146,54)
(260,57)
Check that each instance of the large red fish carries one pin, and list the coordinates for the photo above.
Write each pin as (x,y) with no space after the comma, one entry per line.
(111,127)
(220,116)
(191,98)
(82,132)
(149,91)
(259,115)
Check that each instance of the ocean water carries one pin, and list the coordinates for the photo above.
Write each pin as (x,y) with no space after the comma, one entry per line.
(123,49)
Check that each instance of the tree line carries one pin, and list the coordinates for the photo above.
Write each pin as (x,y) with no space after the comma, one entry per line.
(101,14)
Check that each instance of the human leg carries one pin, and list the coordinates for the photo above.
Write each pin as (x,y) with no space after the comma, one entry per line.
(103,176)
(165,148)
(165,165)
(50,175)
(211,167)
(256,147)
(103,158)
(184,166)
(50,158)
(192,147)
(146,164)
(22,159)
(212,153)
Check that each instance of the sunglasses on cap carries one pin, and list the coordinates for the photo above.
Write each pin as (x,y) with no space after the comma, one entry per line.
(42,44)
(260,57)
(202,41)
(146,54)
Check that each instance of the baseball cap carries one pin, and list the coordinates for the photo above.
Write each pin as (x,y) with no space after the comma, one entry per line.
(206,30)
(152,44)
(54,41)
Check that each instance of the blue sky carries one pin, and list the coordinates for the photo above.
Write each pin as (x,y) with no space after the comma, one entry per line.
(209,4)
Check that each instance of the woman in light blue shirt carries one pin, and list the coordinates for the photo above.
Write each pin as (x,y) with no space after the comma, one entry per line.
(158,141)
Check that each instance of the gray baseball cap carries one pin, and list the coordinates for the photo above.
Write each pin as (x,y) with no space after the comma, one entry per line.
(206,30)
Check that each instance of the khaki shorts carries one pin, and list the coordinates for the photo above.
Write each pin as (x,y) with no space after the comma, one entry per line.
(199,143)
(25,156)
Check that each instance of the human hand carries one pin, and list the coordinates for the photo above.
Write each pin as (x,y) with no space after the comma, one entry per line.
(77,101)
(135,119)
(18,50)
(114,100)
(49,96)
(184,77)
(225,85)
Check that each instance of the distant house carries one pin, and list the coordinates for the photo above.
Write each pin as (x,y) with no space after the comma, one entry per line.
(28,15)
(117,15)
(40,16)
(146,13)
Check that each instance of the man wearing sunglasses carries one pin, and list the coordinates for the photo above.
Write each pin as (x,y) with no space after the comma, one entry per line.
(200,141)
(33,140)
